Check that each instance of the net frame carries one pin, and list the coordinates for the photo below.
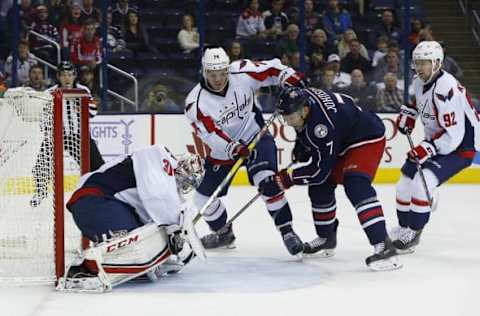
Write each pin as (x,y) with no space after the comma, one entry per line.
(58,148)
(56,220)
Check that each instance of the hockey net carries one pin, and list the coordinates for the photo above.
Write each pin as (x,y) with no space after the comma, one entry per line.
(43,150)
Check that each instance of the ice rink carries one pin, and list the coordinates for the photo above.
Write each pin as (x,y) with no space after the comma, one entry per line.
(260,278)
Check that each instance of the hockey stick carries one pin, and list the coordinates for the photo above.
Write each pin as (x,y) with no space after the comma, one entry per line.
(235,167)
(420,171)
(252,200)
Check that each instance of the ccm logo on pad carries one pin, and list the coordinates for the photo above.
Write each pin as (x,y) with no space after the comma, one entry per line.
(122,243)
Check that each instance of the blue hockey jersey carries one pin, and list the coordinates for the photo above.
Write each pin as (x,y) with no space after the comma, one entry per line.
(334,125)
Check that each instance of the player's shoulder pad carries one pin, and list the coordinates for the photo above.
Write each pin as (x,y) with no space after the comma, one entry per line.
(192,99)
(247,65)
(446,87)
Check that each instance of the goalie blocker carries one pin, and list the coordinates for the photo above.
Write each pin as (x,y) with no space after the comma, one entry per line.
(133,210)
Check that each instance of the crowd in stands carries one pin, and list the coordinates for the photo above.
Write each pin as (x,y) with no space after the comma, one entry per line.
(351,46)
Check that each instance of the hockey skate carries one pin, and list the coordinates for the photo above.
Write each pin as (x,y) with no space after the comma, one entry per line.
(384,257)
(222,238)
(407,240)
(395,234)
(322,247)
(293,243)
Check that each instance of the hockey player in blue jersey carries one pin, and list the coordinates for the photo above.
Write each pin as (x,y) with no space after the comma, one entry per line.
(452,134)
(343,145)
(224,113)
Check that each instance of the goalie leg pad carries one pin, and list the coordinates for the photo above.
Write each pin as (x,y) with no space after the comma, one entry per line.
(119,260)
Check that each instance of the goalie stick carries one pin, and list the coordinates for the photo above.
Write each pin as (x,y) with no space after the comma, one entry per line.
(235,167)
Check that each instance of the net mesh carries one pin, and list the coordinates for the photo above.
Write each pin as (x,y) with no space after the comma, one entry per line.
(27,191)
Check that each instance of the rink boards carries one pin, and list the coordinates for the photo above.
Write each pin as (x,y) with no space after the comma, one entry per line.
(119,134)
(123,133)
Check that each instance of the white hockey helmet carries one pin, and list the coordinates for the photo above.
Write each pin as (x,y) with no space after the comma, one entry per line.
(429,50)
(189,172)
(214,58)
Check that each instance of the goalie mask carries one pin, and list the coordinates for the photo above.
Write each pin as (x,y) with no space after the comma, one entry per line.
(189,172)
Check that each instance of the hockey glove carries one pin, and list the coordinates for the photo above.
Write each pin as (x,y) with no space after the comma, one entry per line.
(284,179)
(175,238)
(237,150)
(423,151)
(406,119)
(300,152)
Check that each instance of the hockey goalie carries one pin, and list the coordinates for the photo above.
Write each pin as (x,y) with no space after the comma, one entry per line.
(133,211)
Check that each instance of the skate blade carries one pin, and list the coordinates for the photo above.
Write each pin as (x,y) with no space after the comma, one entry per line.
(405,251)
(326,253)
(389,264)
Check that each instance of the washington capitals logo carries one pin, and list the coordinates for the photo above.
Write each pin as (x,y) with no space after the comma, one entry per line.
(444,98)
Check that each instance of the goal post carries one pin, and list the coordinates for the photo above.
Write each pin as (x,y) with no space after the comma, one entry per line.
(44,148)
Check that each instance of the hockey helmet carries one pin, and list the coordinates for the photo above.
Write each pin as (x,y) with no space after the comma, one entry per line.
(429,50)
(291,99)
(189,172)
(67,67)
(214,58)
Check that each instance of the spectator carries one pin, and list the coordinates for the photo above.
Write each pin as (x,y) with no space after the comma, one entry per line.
(313,20)
(344,46)
(315,73)
(327,80)
(416,27)
(319,43)
(235,51)
(340,79)
(36,79)
(136,36)
(40,47)
(379,54)
(115,43)
(354,60)
(27,15)
(87,50)
(288,45)
(71,29)
(188,37)
(386,27)
(25,61)
(363,94)
(251,23)
(157,101)
(276,20)
(89,12)
(120,13)
(426,34)
(390,98)
(392,65)
(87,78)
(294,59)
(57,11)
(336,21)
(450,65)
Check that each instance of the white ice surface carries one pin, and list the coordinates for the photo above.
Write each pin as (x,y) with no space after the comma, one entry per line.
(259,278)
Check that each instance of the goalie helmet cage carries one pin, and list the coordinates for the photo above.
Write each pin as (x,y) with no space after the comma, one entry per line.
(44,148)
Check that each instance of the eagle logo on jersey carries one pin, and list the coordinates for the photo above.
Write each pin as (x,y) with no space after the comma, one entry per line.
(443,98)
(320,131)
